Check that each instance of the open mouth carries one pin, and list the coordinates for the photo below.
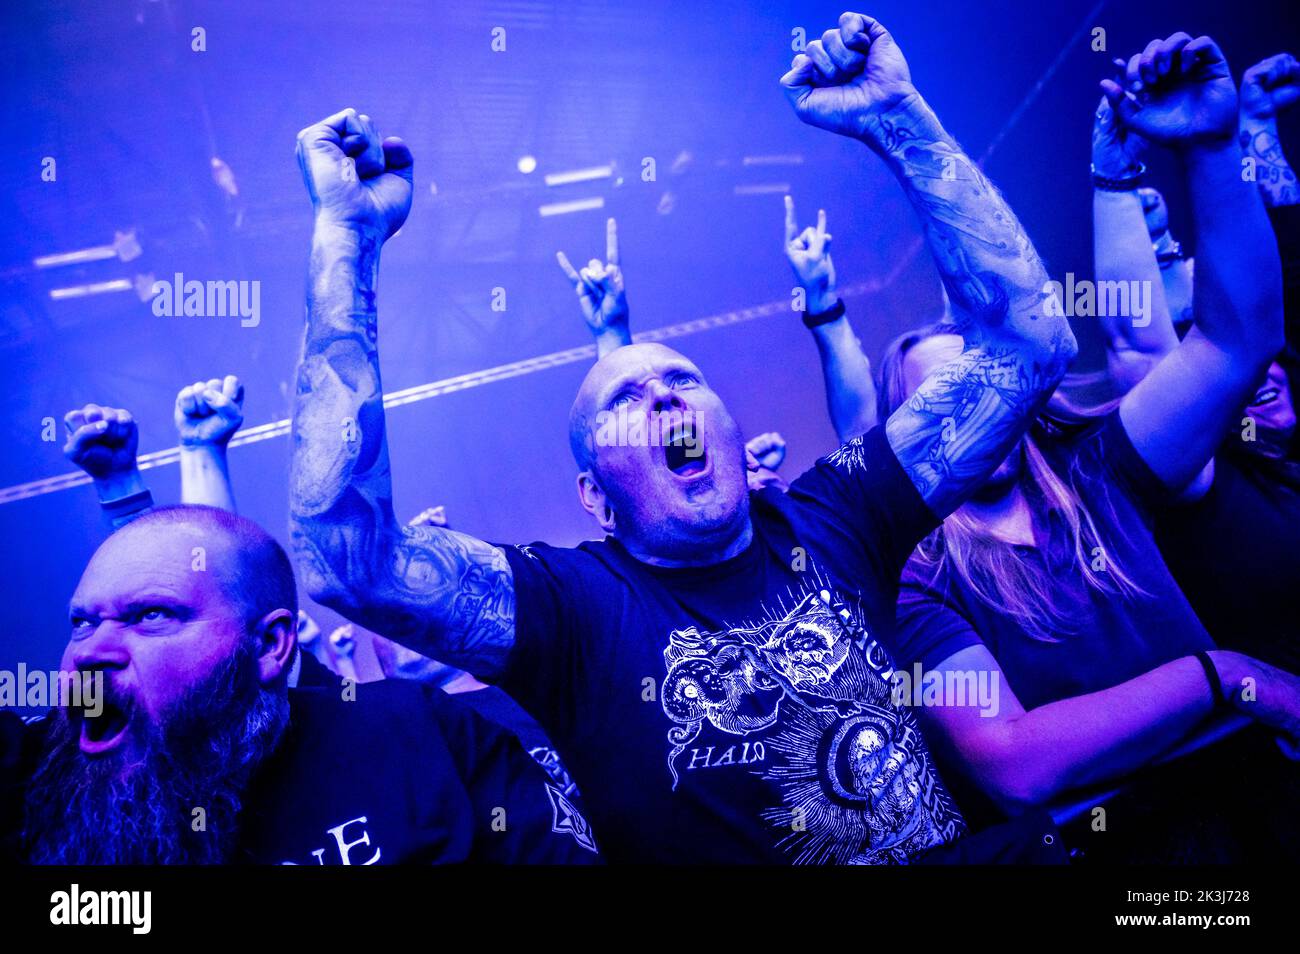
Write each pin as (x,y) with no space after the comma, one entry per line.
(683,453)
(1265,395)
(102,732)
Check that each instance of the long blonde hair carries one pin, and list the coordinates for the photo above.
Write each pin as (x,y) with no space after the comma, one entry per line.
(991,568)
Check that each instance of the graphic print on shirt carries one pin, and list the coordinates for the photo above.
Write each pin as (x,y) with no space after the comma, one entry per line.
(566,819)
(849,456)
(856,781)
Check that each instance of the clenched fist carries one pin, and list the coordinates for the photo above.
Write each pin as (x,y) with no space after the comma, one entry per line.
(1269,87)
(768,450)
(102,441)
(849,78)
(356,180)
(208,413)
(763,455)
(1177,92)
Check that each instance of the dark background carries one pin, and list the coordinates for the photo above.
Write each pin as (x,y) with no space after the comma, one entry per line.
(133,117)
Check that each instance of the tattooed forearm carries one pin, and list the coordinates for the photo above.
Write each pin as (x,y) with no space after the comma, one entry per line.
(993,275)
(1276,180)
(965,418)
(442,593)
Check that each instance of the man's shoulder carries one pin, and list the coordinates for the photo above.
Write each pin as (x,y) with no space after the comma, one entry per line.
(588,561)
(388,706)
(863,464)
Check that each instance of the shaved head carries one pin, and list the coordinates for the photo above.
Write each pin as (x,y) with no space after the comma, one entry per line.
(252,567)
(601,377)
(661,461)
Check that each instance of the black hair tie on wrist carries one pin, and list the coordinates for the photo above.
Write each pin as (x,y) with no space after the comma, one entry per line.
(1216,684)
(1129,181)
(833,313)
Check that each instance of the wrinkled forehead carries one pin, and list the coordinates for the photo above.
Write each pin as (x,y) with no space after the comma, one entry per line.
(629,363)
(184,560)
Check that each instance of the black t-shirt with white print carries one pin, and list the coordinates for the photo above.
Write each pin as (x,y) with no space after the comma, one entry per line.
(741,712)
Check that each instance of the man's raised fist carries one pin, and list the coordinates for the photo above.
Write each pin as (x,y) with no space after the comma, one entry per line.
(1270,86)
(356,180)
(1177,92)
(849,78)
(209,412)
(102,441)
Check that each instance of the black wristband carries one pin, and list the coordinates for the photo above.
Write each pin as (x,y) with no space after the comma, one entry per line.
(1216,684)
(833,313)
(1125,183)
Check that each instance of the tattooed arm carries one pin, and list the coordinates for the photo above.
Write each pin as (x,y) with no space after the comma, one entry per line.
(964,419)
(1267,87)
(442,593)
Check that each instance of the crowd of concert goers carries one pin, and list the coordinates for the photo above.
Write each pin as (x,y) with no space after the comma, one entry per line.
(1104,567)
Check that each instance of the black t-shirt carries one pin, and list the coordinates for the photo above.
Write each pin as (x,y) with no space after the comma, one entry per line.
(405,774)
(1236,554)
(490,702)
(740,712)
(1116,638)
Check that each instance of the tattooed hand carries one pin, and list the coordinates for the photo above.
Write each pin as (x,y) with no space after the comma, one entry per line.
(849,79)
(355,180)
(1177,92)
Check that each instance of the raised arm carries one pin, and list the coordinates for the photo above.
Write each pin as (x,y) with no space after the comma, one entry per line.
(964,419)
(442,593)
(599,287)
(1179,93)
(850,392)
(1124,255)
(207,415)
(1267,88)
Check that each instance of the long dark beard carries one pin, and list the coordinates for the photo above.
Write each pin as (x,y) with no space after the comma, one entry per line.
(83,811)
